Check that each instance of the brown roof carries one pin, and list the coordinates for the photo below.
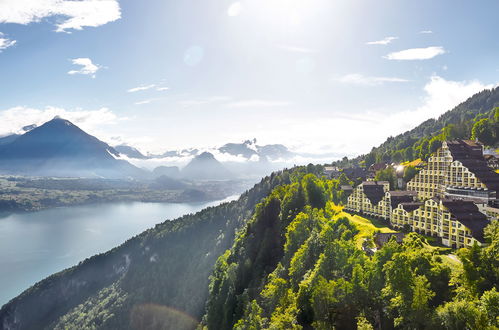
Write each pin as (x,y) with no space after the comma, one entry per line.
(374,191)
(470,154)
(467,213)
(409,207)
(401,196)
(377,167)
(381,239)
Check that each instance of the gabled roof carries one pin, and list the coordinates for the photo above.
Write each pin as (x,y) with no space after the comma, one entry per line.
(374,191)
(467,213)
(411,206)
(470,154)
(401,196)
(377,167)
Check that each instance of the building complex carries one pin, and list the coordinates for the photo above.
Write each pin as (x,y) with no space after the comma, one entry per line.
(452,198)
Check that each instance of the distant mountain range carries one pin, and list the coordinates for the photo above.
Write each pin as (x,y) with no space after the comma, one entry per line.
(60,148)
(248,150)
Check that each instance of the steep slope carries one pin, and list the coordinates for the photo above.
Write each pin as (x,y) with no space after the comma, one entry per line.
(167,266)
(59,148)
(456,123)
(8,139)
(298,264)
(205,167)
(130,152)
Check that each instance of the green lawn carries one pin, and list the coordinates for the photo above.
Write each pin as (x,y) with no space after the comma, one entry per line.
(366,226)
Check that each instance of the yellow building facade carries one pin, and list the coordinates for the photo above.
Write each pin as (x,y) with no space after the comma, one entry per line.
(457,170)
(457,223)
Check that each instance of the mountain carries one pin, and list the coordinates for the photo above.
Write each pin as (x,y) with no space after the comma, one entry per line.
(205,167)
(59,148)
(8,139)
(130,152)
(247,149)
(169,171)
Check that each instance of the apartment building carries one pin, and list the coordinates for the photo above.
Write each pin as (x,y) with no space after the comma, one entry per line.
(457,170)
(374,198)
(457,223)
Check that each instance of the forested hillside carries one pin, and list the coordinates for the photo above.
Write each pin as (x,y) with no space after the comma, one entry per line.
(477,117)
(168,265)
(298,265)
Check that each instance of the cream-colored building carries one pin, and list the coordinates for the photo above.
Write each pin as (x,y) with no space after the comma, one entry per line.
(374,198)
(457,170)
(457,223)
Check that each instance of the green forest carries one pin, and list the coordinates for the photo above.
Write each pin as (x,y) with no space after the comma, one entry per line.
(297,265)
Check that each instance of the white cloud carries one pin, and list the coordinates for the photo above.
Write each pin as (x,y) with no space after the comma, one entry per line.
(296,49)
(426,32)
(5,42)
(12,120)
(441,95)
(148,87)
(235,9)
(87,67)
(416,53)
(141,88)
(145,101)
(359,79)
(69,14)
(372,127)
(258,104)
(384,41)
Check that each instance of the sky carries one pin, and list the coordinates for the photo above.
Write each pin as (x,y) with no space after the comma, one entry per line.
(319,76)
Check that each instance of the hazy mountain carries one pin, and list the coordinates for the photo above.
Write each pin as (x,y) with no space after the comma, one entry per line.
(167,183)
(170,171)
(205,167)
(8,139)
(130,152)
(59,148)
(247,149)
(275,151)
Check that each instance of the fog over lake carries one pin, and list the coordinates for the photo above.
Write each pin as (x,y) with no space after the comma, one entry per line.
(36,245)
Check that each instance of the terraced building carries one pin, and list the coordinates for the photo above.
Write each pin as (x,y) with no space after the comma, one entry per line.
(457,170)
(374,198)
(457,223)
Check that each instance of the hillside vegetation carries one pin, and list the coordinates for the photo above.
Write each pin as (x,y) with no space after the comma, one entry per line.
(296,265)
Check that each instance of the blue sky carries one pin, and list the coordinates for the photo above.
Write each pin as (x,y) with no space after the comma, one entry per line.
(163,74)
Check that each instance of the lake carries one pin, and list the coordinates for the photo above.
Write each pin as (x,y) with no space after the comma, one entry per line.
(36,245)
